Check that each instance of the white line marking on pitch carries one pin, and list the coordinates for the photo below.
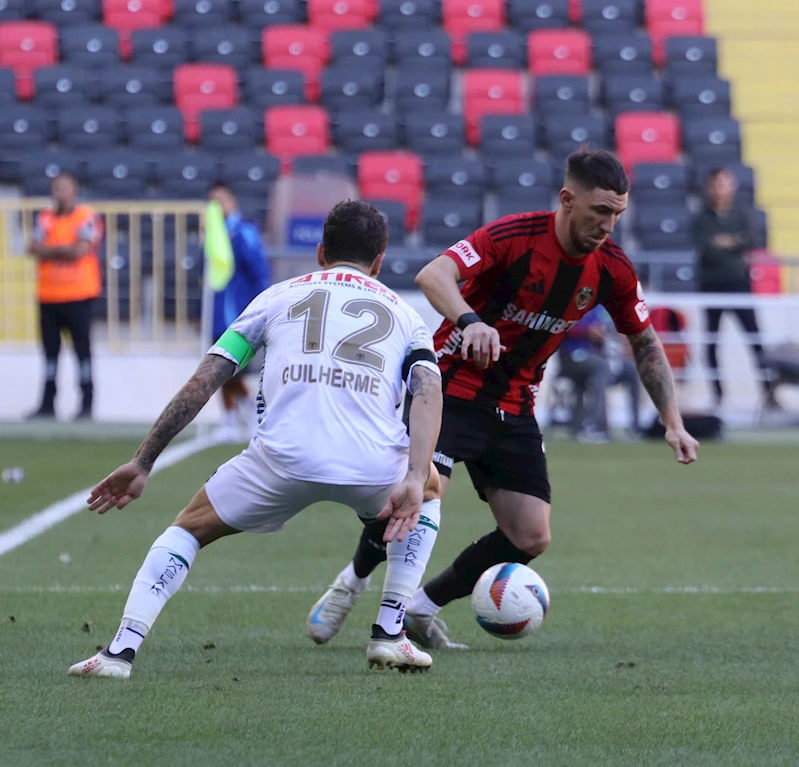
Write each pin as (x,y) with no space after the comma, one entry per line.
(43,520)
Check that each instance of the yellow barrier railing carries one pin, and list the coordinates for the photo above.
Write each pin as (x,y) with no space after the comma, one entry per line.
(156,228)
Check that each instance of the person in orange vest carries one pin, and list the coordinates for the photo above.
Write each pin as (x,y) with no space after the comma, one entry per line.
(65,244)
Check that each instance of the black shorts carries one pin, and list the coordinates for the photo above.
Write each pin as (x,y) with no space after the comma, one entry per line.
(500,450)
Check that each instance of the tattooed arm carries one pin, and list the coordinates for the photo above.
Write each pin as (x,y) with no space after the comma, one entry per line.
(127,483)
(658,380)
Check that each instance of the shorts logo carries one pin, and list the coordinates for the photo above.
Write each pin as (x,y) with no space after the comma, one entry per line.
(583,298)
(443,460)
(467,254)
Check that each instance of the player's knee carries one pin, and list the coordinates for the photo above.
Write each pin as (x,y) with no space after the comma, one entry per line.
(533,541)
(432,488)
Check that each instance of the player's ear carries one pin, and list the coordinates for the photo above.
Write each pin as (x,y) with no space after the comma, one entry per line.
(566,198)
(320,254)
(377,265)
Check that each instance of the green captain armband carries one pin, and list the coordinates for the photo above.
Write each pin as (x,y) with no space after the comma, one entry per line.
(237,346)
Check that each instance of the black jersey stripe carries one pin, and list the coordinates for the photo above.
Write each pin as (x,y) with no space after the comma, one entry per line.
(521,233)
(516,225)
(499,379)
(526,218)
(618,254)
(605,286)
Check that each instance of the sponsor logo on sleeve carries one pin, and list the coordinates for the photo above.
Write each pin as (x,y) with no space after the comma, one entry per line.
(640,308)
(467,254)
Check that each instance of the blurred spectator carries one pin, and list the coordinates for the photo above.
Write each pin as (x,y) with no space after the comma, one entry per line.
(65,244)
(250,277)
(723,238)
(594,359)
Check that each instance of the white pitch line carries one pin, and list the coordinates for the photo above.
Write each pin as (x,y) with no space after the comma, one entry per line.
(43,520)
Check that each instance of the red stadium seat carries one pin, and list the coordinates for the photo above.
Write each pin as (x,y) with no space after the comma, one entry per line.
(340,14)
(575,11)
(559,52)
(660,31)
(462,17)
(125,16)
(393,176)
(656,11)
(765,273)
(199,87)
(297,47)
(647,137)
(24,47)
(490,92)
(296,130)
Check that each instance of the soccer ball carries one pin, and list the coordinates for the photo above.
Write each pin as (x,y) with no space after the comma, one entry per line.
(510,600)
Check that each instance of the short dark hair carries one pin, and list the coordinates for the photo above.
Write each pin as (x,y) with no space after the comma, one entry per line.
(597,169)
(355,231)
(67,175)
(714,173)
(219,184)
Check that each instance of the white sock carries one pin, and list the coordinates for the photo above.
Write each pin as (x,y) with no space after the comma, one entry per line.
(406,565)
(421,604)
(162,573)
(351,580)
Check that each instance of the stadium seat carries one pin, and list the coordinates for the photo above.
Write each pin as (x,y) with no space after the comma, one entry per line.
(322,165)
(164,48)
(23,128)
(609,17)
(8,86)
(404,15)
(647,137)
(125,16)
(759,220)
(348,86)
(117,174)
(623,55)
(229,130)
(656,184)
(695,97)
(257,14)
(462,17)
(12,10)
(393,176)
(129,87)
(418,89)
(63,86)
(663,228)
(205,14)
(691,57)
(365,131)
(561,94)
(25,46)
(303,49)
(455,178)
(511,204)
(445,221)
(566,133)
(394,214)
(222,45)
(184,175)
(339,14)
(155,129)
(89,128)
(38,169)
(522,177)
(64,13)
(656,11)
(713,140)
(249,174)
(198,87)
(428,49)
(633,94)
(295,130)
(402,264)
(266,88)
(504,136)
(524,16)
(559,52)
(359,47)
(662,31)
(434,134)
(504,50)
(490,91)
(93,46)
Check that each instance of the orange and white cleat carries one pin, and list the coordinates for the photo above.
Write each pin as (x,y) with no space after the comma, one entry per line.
(105,665)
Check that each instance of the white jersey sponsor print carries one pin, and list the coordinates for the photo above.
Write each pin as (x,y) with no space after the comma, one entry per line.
(336,343)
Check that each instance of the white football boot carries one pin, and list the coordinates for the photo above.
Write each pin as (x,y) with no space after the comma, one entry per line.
(430,632)
(399,653)
(327,616)
(102,665)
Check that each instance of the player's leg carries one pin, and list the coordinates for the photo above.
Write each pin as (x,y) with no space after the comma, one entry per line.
(748,320)
(78,318)
(50,330)
(627,376)
(713,316)
(596,427)
(160,577)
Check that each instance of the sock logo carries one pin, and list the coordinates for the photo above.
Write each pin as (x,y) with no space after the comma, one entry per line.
(412,544)
(176,564)
(393,604)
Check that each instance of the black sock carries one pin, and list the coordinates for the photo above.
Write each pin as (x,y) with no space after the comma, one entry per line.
(48,398)
(371,550)
(459,578)
(87,391)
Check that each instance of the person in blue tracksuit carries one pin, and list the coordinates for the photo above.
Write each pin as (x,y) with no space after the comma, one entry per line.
(250,277)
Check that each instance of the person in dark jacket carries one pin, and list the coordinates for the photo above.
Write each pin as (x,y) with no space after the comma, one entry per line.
(250,277)
(723,239)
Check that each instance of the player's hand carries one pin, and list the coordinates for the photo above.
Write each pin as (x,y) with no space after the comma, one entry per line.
(119,488)
(402,510)
(683,444)
(481,344)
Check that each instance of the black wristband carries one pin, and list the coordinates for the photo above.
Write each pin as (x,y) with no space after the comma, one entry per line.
(469,318)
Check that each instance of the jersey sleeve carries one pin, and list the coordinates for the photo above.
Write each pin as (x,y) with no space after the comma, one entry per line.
(626,304)
(246,334)
(477,253)
(420,351)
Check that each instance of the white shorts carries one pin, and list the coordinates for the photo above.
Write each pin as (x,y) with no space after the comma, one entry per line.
(249,496)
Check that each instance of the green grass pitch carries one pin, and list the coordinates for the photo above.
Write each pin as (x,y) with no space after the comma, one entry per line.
(673,637)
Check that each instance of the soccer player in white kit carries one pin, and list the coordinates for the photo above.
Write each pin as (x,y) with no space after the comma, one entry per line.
(339,346)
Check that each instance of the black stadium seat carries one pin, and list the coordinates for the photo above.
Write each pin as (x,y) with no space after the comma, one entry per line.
(345,87)
(405,15)
(365,131)
(455,178)
(660,184)
(230,130)
(23,129)
(13,10)
(185,176)
(691,57)
(566,133)
(93,46)
(202,14)
(257,14)
(133,87)
(165,47)
(222,45)
(361,47)
(394,214)
(445,221)
(623,55)
(609,17)
(713,140)
(8,85)
(265,88)
(429,49)
(560,93)
(64,13)
(38,169)
(321,165)
(633,93)
(89,128)
(435,133)
(527,15)
(696,97)
(158,129)
(523,185)
(421,89)
(663,228)
(64,86)
(503,50)
(249,174)
(117,174)
(507,136)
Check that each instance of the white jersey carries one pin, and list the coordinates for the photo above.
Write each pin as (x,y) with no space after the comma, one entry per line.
(337,344)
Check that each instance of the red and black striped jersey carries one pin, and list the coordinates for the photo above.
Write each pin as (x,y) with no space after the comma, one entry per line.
(521,281)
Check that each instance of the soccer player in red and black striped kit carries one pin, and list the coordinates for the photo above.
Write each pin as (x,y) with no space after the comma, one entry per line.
(528,279)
